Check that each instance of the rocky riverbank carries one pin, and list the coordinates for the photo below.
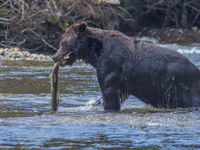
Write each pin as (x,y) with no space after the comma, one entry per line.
(17,54)
(180,36)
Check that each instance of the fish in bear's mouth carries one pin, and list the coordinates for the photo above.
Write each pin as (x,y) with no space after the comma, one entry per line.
(65,59)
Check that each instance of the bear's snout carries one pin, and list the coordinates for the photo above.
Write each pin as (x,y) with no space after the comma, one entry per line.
(54,58)
(57,57)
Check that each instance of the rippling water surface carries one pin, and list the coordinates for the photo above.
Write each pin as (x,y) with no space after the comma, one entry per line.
(26,121)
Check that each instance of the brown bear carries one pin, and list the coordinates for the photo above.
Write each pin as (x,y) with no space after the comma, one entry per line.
(157,76)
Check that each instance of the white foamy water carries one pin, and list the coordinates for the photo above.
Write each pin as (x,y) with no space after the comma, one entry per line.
(189,51)
(183,49)
(92,105)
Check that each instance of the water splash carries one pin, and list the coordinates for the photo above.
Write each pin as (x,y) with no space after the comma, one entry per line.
(93,105)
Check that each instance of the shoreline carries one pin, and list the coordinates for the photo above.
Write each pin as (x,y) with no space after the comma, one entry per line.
(167,36)
(171,35)
(15,54)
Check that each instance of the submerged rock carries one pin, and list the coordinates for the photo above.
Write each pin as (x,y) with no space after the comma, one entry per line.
(180,36)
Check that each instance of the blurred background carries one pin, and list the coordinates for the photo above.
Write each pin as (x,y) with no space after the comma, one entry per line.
(38,25)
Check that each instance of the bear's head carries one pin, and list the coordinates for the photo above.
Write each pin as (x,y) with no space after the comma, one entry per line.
(71,45)
(78,42)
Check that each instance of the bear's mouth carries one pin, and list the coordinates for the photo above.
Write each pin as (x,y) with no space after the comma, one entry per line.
(66,59)
(67,56)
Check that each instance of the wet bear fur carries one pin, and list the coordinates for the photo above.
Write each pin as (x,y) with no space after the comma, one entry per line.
(155,75)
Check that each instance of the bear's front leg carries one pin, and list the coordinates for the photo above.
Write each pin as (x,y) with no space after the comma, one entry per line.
(110,88)
(111,100)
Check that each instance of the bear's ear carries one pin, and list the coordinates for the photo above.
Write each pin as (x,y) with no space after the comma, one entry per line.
(81,27)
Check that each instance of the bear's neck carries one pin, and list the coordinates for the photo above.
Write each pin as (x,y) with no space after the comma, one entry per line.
(92,51)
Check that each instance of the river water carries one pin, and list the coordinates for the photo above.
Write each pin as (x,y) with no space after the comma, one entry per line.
(26,121)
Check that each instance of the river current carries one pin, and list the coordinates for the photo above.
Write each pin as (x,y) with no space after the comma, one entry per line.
(26,121)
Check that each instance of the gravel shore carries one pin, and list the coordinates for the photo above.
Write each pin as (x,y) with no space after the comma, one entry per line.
(16,54)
